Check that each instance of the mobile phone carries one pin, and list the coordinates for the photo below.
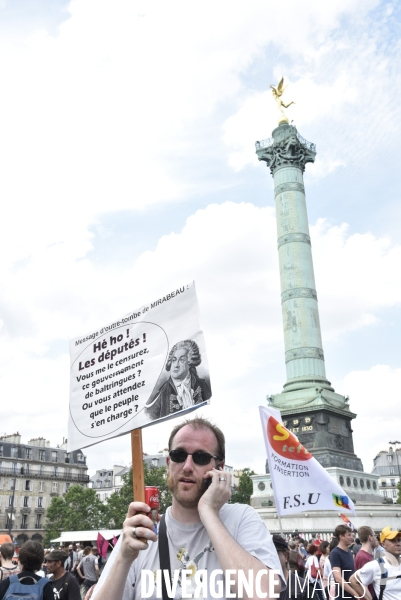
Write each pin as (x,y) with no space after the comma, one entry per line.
(208,481)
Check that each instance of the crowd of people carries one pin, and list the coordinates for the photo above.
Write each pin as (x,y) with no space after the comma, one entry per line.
(208,547)
(344,567)
(52,574)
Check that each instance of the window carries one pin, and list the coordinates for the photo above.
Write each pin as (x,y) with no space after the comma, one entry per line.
(391,470)
(42,455)
(395,493)
(392,482)
(41,486)
(26,502)
(38,522)
(80,457)
(155,462)
(55,487)
(40,502)
(1,449)
(14,452)
(1,483)
(11,501)
(385,493)
(390,457)
(24,522)
(28,453)
(28,485)
(54,455)
(383,484)
(67,487)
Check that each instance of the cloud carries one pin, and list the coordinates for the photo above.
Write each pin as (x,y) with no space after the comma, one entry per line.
(374,398)
(230,251)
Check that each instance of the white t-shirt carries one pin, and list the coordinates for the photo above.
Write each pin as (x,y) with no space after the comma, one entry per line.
(190,548)
(311,560)
(371,573)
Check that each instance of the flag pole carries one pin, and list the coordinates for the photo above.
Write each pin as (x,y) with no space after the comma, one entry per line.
(280,525)
(138,478)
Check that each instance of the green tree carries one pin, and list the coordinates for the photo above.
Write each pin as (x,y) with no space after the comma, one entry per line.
(117,504)
(243,493)
(79,510)
(398,501)
(157,476)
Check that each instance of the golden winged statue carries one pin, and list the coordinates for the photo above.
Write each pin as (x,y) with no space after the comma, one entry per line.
(277,93)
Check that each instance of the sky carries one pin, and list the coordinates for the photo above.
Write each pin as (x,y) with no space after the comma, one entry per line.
(128,168)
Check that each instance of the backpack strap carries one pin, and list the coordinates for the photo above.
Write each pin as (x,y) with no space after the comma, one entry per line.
(384,578)
(164,554)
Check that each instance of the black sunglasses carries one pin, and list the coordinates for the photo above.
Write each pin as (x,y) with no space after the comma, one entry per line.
(199,457)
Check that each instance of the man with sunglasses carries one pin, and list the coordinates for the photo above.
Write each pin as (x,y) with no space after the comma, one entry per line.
(205,534)
(65,586)
(385,572)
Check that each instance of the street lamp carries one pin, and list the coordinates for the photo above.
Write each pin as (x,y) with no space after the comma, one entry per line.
(10,515)
(11,508)
(397,457)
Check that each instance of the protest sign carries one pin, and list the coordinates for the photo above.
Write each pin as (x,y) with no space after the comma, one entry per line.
(299,481)
(146,367)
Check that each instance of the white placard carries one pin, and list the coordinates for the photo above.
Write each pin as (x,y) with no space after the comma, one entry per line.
(146,367)
(300,483)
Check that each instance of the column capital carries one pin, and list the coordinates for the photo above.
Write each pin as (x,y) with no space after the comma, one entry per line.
(286,149)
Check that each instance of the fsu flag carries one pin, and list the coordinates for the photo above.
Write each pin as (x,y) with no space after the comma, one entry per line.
(300,483)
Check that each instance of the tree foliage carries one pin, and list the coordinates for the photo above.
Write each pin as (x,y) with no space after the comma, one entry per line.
(398,501)
(157,476)
(117,504)
(79,510)
(243,493)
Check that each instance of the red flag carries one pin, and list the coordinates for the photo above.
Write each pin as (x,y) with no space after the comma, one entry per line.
(115,540)
(348,522)
(102,545)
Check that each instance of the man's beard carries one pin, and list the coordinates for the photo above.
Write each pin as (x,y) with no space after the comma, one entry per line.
(189,501)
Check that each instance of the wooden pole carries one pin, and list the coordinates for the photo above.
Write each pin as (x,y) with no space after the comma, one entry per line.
(138,478)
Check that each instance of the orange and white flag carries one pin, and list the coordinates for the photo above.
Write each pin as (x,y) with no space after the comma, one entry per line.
(300,483)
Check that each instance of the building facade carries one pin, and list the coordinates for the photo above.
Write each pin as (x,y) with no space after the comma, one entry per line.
(107,481)
(31,475)
(387,465)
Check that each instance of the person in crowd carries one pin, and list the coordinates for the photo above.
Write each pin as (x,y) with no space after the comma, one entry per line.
(65,586)
(342,561)
(327,571)
(356,546)
(88,569)
(72,559)
(365,554)
(30,559)
(324,550)
(295,560)
(204,532)
(296,586)
(379,550)
(314,573)
(6,558)
(385,572)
